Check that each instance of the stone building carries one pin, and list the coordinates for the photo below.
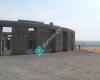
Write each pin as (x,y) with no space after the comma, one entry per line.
(26,35)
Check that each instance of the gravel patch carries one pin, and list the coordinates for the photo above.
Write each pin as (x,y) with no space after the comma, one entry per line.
(76,65)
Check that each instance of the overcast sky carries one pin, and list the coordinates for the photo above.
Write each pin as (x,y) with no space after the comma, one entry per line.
(83,16)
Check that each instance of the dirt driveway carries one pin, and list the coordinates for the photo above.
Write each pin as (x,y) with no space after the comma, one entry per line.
(55,66)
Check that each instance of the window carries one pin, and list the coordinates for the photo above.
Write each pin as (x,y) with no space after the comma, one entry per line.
(30,29)
(7,29)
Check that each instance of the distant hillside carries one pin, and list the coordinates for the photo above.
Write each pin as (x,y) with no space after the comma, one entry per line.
(88,43)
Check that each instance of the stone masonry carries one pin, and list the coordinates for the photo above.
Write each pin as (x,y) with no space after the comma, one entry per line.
(20,40)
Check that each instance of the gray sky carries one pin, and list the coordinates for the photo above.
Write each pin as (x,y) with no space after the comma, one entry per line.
(83,16)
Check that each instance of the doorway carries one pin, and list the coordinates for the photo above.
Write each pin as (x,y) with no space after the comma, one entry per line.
(31,40)
(6,40)
(65,47)
(52,44)
(72,43)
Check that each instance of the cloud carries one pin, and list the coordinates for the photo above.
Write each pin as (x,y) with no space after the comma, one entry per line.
(28,13)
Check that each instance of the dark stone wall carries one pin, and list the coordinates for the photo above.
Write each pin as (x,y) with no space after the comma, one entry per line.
(42,35)
(19,39)
(59,42)
(73,40)
(0,39)
(52,44)
(64,41)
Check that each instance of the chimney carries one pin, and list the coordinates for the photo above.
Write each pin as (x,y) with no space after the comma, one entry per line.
(51,23)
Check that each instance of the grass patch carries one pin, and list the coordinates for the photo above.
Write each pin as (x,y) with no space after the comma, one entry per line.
(91,49)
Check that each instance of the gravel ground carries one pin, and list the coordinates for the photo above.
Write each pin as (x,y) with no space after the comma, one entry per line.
(55,66)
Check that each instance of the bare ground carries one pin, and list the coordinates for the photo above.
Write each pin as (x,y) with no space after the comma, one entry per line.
(55,66)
